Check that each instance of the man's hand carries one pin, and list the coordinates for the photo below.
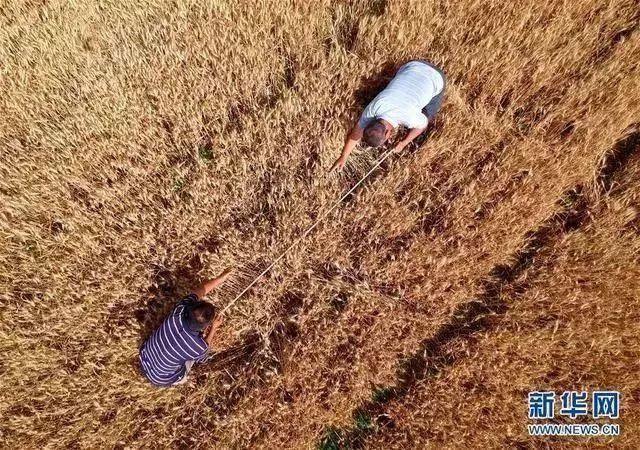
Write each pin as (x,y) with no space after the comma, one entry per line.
(411,135)
(350,143)
(339,164)
(399,147)
(217,322)
(210,285)
(225,274)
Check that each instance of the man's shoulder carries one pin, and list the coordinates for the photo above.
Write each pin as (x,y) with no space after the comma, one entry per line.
(178,334)
(407,116)
(185,302)
(188,299)
(202,343)
(383,103)
(191,341)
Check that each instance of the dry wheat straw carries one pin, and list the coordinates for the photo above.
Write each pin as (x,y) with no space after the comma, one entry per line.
(322,216)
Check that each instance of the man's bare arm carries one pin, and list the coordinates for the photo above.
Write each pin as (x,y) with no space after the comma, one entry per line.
(210,285)
(355,135)
(411,135)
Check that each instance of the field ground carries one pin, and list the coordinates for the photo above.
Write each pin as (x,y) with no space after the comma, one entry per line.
(147,146)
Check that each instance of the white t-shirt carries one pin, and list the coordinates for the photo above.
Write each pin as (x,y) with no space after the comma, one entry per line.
(401,102)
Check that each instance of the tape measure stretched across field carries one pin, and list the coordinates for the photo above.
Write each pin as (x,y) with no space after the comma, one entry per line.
(307,231)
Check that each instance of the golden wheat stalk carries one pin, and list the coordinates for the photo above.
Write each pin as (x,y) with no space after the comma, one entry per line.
(309,229)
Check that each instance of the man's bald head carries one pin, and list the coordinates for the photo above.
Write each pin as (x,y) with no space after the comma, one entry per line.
(375,134)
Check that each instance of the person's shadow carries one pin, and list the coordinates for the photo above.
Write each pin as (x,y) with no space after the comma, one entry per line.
(167,289)
(371,85)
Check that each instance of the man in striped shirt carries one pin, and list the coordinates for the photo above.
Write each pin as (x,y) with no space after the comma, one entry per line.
(168,355)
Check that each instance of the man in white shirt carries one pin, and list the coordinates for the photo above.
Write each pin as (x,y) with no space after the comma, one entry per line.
(411,99)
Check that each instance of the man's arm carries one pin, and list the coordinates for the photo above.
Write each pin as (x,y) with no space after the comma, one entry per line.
(210,285)
(411,135)
(350,143)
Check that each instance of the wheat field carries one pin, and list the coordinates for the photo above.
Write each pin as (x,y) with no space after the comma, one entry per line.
(146,146)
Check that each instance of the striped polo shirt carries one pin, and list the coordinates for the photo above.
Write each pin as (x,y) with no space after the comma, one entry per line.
(164,354)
